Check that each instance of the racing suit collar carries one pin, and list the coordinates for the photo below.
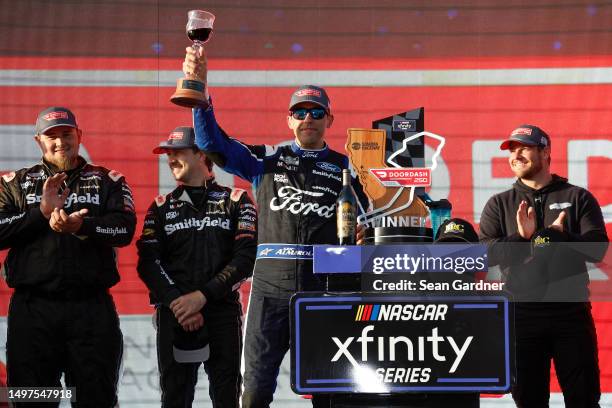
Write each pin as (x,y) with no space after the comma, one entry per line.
(180,193)
(310,154)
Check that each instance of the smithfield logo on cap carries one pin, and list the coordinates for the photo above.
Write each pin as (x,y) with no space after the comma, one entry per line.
(175,136)
(521,132)
(453,228)
(308,92)
(55,115)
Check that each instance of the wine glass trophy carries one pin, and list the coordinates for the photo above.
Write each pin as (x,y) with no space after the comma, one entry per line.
(190,92)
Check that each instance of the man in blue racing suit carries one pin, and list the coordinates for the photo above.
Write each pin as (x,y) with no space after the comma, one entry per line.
(296,187)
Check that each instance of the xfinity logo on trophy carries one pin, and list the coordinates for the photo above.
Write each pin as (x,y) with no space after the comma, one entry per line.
(404,125)
(290,198)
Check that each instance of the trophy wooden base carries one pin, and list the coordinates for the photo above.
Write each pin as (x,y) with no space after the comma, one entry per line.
(189,93)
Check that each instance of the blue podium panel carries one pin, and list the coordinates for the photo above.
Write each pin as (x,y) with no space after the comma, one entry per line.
(385,343)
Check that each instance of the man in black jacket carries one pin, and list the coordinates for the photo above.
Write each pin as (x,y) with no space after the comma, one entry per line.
(197,246)
(541,232)
(61,219)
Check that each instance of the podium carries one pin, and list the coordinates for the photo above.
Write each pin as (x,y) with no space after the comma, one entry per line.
(409,336)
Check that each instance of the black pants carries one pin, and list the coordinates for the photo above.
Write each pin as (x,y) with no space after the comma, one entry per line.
(566,334)
(178,380)
(266,343)
(81,338)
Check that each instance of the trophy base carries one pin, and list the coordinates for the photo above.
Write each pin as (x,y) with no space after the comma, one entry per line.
(397,235)
(189,94)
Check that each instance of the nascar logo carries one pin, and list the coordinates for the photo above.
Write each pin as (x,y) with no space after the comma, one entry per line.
(403,177)
(391,312)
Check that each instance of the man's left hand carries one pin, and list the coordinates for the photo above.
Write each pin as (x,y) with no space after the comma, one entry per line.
(186,305)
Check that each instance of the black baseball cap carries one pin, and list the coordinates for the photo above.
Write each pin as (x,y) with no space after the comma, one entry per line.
(53,117)
(191,347)
(310,93)
(528,135)
(182,137)
(456,230)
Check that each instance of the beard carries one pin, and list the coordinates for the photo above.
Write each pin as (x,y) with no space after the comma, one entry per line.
(529,173)
(64,163)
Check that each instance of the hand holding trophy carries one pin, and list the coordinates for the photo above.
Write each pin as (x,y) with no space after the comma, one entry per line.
(190,91)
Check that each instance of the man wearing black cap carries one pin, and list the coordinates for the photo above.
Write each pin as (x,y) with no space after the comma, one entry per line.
(197,246)
(521,225)
(297,187)
(62,219)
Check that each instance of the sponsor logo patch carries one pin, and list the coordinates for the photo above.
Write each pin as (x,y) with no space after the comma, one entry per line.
(281,178)
(404,177)
(328,167)
(56,115)
(521,132)
(308,92)
(290,199)
(217,195)
(114,175)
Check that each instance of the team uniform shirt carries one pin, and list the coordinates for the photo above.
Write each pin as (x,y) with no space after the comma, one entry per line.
(40,258)
(207,245)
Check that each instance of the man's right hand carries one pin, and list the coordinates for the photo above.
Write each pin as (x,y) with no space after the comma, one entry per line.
(51,198)
(525,220)
(195,64)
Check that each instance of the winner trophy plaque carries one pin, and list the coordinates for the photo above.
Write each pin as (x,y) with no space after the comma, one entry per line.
(190,92)
(390,164)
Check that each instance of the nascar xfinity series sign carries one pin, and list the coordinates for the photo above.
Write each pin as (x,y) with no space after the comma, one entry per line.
(384,343)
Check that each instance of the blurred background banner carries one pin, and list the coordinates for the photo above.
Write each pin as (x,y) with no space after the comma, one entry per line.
(479,67)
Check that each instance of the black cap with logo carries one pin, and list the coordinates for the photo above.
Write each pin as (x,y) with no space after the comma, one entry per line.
(310,93)
(53,117)
(182,137)
(456,230)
